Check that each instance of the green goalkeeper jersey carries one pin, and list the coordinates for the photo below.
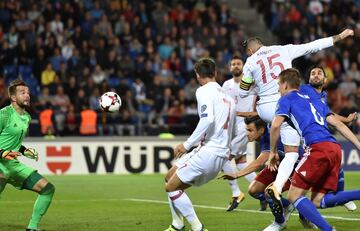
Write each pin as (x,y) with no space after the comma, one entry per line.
(13,128)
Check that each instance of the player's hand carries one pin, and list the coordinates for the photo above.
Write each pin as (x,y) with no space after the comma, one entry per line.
(179,151)
(346,33)
(31,154)
(9,155)
(273,161)
(351,118)
(229,176)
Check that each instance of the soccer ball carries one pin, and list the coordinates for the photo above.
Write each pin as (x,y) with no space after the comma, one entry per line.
(110,102)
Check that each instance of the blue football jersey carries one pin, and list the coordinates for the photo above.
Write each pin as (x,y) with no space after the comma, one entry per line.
(308,90)
(307,117)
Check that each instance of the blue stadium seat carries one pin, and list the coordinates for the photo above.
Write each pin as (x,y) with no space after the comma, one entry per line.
(25,70)
(10,71)
(114,82)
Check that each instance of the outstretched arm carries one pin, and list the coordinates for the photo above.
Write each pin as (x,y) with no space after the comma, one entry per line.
(253,166)
(346,120)
(344,130)
(296,51)
(346,33)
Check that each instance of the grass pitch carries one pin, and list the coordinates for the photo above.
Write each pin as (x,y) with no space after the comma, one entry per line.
(138,202)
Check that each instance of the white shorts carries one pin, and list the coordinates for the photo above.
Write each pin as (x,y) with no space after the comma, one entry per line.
(240,141)
(199,166)
(289,136)
(266,111)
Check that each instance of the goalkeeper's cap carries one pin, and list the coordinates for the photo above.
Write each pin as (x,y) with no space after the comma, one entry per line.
(251,40)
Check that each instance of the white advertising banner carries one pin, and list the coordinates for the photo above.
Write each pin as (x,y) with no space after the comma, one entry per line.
(66,156)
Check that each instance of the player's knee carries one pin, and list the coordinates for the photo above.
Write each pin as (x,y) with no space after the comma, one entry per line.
(167,177)
(48,189)
(167,187)
(253,191)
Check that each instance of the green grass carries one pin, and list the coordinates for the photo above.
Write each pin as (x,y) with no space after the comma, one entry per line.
(99,203)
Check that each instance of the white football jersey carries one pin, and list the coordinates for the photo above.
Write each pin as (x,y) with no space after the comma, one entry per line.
(217,112)
(242,104)
(265,65)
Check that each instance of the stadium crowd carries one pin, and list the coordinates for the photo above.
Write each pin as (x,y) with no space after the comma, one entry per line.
(306,20)
(70,52)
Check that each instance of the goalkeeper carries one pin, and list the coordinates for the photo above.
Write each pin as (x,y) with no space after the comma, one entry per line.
(14,123)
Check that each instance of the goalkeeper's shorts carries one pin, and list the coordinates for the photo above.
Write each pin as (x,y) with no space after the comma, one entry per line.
(15,172)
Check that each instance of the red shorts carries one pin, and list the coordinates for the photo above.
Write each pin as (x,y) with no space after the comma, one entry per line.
(319,168)
(267,177)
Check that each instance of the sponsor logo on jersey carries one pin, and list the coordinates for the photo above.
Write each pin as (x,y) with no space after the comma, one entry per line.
(203,108)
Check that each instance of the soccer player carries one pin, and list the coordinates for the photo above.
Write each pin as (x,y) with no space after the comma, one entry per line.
(244,107)
(14,123)
(314,90)
(256,130)
(262,69)
(214,133)
(319,167)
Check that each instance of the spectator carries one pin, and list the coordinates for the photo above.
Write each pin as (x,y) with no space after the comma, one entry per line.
(99,75)
(48,75)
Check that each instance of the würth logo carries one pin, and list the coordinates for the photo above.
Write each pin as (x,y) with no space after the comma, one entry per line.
(58,167)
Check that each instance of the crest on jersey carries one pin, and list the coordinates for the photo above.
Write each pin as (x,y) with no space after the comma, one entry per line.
(203,108)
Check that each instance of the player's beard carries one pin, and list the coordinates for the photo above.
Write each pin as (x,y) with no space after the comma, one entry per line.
(236,72)
(318,84)
(23,103)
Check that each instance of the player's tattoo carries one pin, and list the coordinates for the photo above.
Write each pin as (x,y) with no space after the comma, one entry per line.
(336,38)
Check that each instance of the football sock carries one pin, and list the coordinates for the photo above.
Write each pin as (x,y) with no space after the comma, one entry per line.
(230,168)
(249,177)
(309,211)
(339,198)
(259,196)
(177,219)
(285,202)
(183,204)
(341,180)
(279,218)
(41,205)
(285,169)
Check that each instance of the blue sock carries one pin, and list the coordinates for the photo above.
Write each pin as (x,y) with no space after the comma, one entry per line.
(301,216)
(285,202)
(341,180)
(339,198)
(259,196)
(279,218)
(309,211)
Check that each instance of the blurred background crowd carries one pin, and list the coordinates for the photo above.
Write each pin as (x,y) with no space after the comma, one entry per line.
(70,52)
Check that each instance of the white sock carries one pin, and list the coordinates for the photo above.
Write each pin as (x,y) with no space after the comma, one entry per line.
(285,169)
(229,167)
(249,177)
(182,203)
(177,219)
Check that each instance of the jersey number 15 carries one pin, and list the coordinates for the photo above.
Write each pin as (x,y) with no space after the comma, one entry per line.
(272,65)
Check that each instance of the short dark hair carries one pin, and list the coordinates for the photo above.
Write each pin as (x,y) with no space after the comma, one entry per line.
(236,57)
(259,123)
(250,40)
(313,67)
(291,76)
(205,68)
(14,84)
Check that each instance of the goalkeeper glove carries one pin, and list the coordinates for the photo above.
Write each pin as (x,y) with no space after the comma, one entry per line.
(31,153)
(9,155)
